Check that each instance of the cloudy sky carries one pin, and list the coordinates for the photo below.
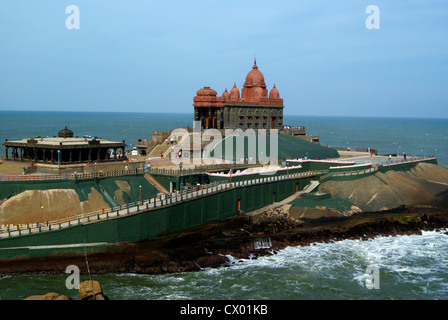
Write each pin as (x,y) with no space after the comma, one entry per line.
(152,56)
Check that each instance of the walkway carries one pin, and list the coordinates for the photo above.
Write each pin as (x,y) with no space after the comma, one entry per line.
(309,188)
(155,183)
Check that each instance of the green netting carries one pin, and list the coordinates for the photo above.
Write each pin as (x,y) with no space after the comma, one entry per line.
(105,186)
(292,147)
(287,147)
(330,203)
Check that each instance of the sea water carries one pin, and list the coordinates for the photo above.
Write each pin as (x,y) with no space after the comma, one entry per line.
(409,267)
(387,135)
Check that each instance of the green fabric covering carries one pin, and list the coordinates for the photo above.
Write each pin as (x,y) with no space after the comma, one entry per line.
(105,186)
(288,147)
(329,203)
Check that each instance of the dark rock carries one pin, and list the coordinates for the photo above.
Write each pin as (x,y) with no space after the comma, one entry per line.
(209,261)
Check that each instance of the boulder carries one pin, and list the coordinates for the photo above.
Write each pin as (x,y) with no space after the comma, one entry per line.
(48,296)
(91,290)
(211,261)
(353,210)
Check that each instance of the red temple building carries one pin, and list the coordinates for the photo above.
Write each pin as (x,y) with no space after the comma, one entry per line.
(255,108)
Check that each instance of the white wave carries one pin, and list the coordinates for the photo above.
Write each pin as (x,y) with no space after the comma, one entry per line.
(322,269)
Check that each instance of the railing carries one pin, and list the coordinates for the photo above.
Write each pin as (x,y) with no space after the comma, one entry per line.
(349,173)
(34,177)
(390,164)
(203,169)
(119,173)
(71,176)
(162,200)
(374,151)
(409,160)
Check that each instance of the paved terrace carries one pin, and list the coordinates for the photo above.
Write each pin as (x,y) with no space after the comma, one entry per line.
(365,157)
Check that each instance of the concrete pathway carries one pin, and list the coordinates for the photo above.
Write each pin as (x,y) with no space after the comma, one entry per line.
(309,188)
(155,183)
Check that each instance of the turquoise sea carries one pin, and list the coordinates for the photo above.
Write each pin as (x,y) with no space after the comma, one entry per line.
(387,135)
(410,267)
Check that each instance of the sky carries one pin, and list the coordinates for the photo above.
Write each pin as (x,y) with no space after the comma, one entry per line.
(152,56)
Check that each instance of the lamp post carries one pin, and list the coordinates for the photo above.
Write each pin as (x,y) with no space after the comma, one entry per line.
(95,169)
(42,213)
(59,157)
(140,194)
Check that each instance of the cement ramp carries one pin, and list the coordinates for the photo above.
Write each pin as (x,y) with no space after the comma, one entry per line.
(155,183)
(309,188)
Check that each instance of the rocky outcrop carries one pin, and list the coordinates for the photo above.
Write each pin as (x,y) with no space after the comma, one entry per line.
(361,227)
(394,189)
(48,296)
(88,290)
(33,206)
(272,221)
(431,172)
(240,237)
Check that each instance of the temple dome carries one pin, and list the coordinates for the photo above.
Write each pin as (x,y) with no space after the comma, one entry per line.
(255,78)
(206,91)
(234,93)
(274,93)
(258,92)
(226,94)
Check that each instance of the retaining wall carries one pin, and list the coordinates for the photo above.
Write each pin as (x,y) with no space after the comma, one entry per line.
(157,222)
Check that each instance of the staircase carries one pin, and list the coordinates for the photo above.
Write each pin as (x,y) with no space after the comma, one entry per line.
(155,183)
(155,152)
(163,147)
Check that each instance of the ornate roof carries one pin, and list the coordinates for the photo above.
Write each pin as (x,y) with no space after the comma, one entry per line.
(274,94)
(254,91)
(65,133)
(234,93)
(255,78)
(206,91)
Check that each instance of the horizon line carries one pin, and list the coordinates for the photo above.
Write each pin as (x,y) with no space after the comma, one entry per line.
(188,113)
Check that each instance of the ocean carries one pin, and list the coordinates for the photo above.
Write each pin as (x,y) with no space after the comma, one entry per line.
(387,135)
(409,267)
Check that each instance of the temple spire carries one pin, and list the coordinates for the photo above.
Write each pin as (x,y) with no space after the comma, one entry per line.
(255,63)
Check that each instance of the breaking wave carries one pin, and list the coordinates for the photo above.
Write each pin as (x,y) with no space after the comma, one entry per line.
(410,267)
